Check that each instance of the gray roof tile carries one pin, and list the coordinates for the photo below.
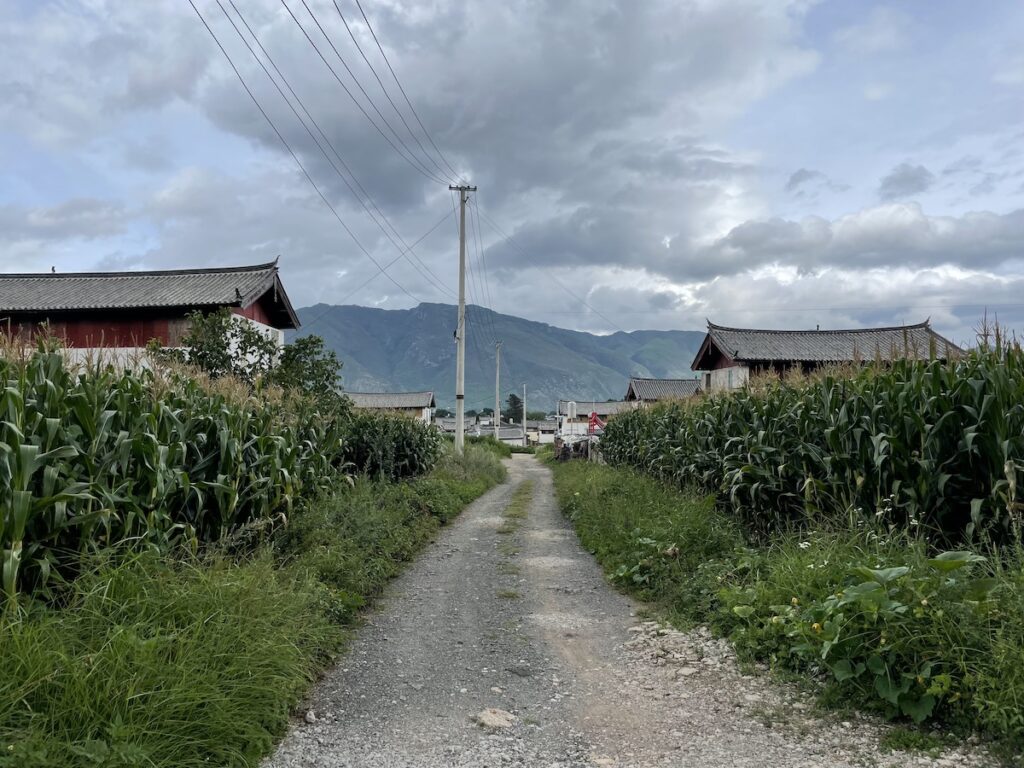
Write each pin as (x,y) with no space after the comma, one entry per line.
(661,389)
(392,399)
(750,345)
(225,286)
(585,407)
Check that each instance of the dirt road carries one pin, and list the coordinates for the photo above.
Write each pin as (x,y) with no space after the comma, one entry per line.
(510,614)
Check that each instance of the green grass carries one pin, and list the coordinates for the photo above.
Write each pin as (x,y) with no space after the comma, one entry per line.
(151,662)
(934,643)
(660,545)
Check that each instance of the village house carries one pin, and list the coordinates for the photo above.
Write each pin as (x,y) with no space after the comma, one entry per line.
(654,390)
(574,416)
(729,356)
(417,405)
(541,432)
(121,312)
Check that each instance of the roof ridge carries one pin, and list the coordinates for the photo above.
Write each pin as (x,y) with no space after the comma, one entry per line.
(140,272)
(925,324)
(655,378)
(418,392)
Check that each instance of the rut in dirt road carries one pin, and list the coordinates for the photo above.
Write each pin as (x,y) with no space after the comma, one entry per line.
(507,612)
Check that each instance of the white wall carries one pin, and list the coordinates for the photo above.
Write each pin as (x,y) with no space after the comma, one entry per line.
(735,377)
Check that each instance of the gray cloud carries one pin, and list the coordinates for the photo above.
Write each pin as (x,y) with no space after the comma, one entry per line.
(904,181)
(80,218)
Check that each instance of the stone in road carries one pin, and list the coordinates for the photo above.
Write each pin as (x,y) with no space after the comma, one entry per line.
(504,646)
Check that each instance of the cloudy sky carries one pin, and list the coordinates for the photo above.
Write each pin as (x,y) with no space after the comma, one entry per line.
(778,164)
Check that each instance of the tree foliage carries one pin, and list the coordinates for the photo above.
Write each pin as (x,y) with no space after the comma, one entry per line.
(513,408)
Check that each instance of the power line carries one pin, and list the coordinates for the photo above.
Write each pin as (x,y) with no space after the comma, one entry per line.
(374,276)
(418,264)
(369,98)
(477,231)
(387,95)
(411,160)
(295,157)
(404,94)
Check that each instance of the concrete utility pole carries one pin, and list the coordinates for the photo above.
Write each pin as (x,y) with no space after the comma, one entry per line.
(460,334)
(526,442)
(497,390)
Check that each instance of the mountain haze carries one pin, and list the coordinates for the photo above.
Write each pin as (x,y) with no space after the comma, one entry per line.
(414,349)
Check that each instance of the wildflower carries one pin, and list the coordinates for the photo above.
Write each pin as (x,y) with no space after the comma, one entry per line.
(816,627)
(804,544)
(924,601)
(795,601)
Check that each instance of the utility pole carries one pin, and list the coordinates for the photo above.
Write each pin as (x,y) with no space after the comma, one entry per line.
(497,390)
(460,334)
(526,442)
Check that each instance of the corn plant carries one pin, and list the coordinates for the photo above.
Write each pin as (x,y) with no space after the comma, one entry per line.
(93,458)
(928,444)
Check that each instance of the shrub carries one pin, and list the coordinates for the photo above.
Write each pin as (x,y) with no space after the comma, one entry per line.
(390,446)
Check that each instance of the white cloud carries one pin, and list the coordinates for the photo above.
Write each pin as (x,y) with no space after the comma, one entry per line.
(883,30)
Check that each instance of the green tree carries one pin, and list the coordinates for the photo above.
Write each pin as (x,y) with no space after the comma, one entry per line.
(308,366)
(219,344)
(513,408)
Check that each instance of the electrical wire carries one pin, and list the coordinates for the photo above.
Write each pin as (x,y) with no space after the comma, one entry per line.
(398,82)
(415,261)
(387,95)
(375,275)
(478,235)
(411,160)
(295,157)
(442,179)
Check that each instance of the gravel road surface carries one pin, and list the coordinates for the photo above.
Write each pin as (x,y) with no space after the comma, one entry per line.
(504,646)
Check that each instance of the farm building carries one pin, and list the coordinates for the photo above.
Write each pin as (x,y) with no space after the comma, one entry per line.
(728,356)
(653,390)
(541,432)
(418,405)
(122,311)
(574,416)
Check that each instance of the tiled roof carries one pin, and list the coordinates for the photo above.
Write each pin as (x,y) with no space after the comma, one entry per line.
(186,288)
(661,389)
(392,399)
(749,344)
(585,407)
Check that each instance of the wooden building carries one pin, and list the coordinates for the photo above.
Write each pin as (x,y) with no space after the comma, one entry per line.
(728,356)
(123,311)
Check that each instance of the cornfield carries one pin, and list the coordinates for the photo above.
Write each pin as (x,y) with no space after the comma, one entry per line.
(920,443)
(94,458)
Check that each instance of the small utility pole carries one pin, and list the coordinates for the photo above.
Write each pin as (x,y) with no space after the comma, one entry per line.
(460,334)
(526,442)
(497,389)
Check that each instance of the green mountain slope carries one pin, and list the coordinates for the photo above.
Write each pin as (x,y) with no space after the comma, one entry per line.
(414,349)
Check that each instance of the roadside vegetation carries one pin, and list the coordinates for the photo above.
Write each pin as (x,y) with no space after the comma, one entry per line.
(862,530)
(184,548)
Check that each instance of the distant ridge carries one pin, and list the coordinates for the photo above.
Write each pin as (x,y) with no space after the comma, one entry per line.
(413,350)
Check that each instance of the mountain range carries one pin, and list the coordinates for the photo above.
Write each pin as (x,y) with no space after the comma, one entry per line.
(414,350)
